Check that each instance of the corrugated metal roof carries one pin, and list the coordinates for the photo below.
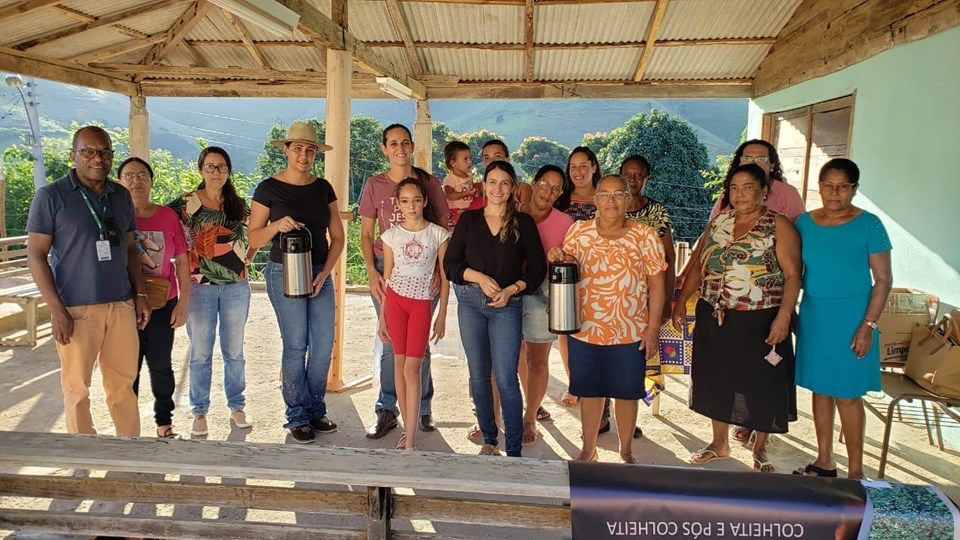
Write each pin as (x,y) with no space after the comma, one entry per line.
(226,56)
(398,57)
(616,22)
(213,27)
(465,23)
(99,9)
(80,43)
(705,62)
(692,19)
(287,59)
(369,21)
(474,65)
(24,27)
(594,65)
(159,21)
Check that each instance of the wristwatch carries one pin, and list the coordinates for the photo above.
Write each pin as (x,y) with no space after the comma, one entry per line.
(871,324)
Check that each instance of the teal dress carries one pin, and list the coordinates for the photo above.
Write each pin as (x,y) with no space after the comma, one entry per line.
(836,291)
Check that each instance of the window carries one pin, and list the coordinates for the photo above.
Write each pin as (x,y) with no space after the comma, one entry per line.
(808,137)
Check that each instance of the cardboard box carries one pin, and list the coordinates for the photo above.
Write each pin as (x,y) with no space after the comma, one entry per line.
(905,309)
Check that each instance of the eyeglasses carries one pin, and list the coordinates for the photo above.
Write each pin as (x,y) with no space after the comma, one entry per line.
(837,188)
(90,153)
(130,175)
(616,195)
(547,186)
(211,168)
(759,160)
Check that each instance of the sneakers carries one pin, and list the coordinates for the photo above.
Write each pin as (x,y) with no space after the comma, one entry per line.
(303,434)
(240,419)
(323,425)
(199,428)
(489,450)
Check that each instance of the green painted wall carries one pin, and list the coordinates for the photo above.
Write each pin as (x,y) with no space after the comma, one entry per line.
(906,141)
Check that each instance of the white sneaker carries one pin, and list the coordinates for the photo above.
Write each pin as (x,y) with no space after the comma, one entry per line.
(199,428)
(240,419)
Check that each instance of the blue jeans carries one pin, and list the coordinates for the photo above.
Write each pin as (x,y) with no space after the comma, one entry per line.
(306,330)
(387,400)
(229,303)
(491,340)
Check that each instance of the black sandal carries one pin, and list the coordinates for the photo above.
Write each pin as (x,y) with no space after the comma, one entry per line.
(812,470)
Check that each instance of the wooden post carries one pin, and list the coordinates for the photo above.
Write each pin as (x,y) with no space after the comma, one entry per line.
(378,518)
(139,126)
(423,137)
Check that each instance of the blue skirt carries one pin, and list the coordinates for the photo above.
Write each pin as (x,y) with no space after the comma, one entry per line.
(608,371)
(825,362)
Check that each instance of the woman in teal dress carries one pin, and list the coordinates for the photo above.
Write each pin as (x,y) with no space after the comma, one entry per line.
(846,279)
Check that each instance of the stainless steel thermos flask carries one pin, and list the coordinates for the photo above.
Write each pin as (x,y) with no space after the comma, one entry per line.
(296,249)
(564,298)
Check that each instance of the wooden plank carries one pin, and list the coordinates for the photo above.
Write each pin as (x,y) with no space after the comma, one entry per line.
(734,88)
(327,465)
(56,70)
(104,53)
(79,15)
(449,510)
(651,37)
(521,2)
(190,18)
(98,22)
(216,73)
(161,527)
(314,23)
(6,255)
(825,36)
(225,495)
(130,32)
(528,54)
(22,8)
(13,240)
(402,26)
(246,40)
(14,293)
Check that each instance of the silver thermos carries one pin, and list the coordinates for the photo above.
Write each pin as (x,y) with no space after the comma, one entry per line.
(564,298)
(296,249)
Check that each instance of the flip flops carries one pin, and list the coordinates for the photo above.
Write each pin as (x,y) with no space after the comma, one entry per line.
(705,456)
(543,415)
(762,466)
(812,470)
(569,399)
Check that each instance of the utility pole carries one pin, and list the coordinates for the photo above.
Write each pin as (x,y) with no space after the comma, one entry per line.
(35,139)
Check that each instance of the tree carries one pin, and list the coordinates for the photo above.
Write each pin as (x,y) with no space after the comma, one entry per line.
(535,152)
(597,142)
(677,158)
(714,176)
(441,136)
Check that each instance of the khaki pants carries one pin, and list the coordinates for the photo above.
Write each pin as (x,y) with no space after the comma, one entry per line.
(108,332)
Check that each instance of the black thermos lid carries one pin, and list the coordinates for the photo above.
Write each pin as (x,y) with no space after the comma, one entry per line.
(296,241)
(564,272)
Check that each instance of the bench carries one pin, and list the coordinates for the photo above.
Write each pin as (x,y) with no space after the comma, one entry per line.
(337,492)
(13,263)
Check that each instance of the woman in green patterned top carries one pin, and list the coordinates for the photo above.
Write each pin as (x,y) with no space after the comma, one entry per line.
(749,280)
(215,217)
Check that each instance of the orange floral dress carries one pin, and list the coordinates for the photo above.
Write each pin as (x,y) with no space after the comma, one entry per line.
(613,280)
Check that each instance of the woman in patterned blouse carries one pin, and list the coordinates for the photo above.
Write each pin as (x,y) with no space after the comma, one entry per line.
(749,280)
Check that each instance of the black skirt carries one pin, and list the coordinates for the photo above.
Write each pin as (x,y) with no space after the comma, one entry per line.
(731,381)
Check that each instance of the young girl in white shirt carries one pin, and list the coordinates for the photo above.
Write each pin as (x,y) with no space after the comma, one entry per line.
(411,252)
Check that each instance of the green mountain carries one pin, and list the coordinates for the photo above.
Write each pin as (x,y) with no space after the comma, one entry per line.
(241,124)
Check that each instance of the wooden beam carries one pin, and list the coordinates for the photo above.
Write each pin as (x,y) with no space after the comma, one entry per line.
(125,47)
(196,59)
(402,26)
(423,136)
(825,36)
(138,126)
(651,37)
(190,18)
(130,32)
(521,2)
(528,40)
(79,15)
(98,22)
(22,8)
(317,25)
(56,70)
(735,88)
(162,71)
(550,46)
(246,40)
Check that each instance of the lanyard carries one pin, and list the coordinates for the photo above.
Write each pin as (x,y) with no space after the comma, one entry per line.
(97,219)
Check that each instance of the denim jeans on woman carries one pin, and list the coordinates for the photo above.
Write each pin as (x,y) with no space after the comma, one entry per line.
(491,340)
(387,400)
(306,330)
(208,303)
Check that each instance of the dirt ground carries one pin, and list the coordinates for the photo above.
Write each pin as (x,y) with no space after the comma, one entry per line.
(30,400)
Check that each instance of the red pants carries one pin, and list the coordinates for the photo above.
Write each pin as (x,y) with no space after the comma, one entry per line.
(408,322)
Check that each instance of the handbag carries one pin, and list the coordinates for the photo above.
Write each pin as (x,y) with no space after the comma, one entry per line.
(676,346)
(933,361)
(157,289)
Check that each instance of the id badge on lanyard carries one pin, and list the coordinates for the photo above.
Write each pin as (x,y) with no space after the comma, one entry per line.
(103,245)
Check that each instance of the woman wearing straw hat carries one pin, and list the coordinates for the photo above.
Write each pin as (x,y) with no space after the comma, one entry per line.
(295,199)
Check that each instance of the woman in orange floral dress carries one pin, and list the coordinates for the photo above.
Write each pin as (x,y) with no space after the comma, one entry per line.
(621,275)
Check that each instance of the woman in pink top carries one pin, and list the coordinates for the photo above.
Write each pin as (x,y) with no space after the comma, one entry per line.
(552,224)
(160,240)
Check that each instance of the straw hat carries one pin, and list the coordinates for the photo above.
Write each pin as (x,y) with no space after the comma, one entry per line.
(301,132)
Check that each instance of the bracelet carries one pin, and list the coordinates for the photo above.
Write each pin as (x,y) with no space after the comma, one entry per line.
(144,295)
